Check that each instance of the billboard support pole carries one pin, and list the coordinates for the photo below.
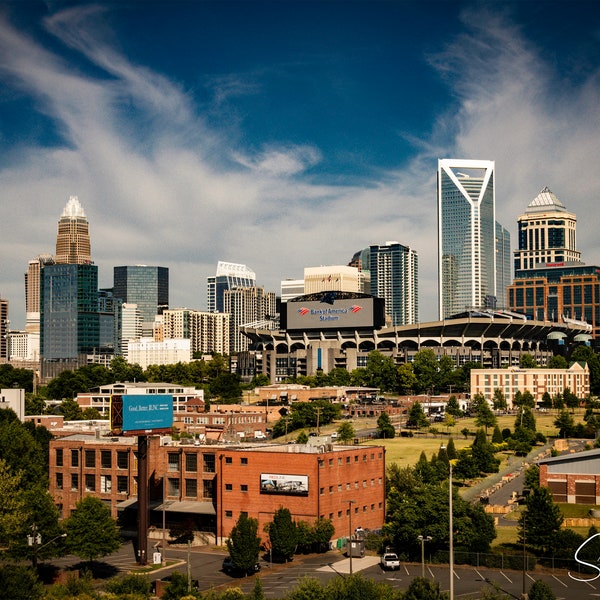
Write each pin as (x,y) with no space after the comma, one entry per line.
(142,499)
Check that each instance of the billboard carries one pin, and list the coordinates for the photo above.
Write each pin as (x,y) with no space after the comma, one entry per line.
(138,414)
(287,485)
(333,312)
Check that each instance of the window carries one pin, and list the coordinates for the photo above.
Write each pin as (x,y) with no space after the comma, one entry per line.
(209,487)
(122,484)
(191,488)
(173,461)
(243,461)
(74,481)
(244,487)
(228,487)
(90,482)
(59,481)
(74,458)
(339,514)
(229,514)
(331,489)
(347,460)
(59,457)
(105,484)
(122,460)
(191,462)
(228,460)
(209,463)
(90,459)
(331,462)
(173,486)
(106,459)
(321,490)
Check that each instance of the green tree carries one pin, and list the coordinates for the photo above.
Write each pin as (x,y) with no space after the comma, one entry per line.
(323,530)
(407,379)
(382,372)
(19,583)
(565,424)
(138,586)
(421,588)
(541,521)
(499,400)
(346,432)
(484,416)
(91,530)
(483,454)
(497,436)
(570,399)
(13,513)
(385,428)
(244,543)
(416,416)
(70,410)
(178,588)
(308,588)
(527,362)
(226,386)
(452,407)
(585,354)
(558,362)
(426,369)
(282,534)
(540,590)
(302,438)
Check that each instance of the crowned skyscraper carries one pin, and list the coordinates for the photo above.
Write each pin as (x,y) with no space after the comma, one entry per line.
(73,239)
(466,235)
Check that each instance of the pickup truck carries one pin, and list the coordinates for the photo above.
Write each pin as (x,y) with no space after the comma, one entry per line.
(390,562)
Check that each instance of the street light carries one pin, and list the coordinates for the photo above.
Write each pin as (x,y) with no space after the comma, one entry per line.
(423,539)
(350,503)
(35,541)
(451,531)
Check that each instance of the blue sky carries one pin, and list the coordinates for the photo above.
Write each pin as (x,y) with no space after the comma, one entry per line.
(284,134)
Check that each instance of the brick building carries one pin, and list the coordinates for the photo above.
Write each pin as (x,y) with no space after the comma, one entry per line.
(573,478)
(207,487)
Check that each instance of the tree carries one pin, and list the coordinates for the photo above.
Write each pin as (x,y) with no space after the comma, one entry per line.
(416,416)
(421,588)
(541,521)
(483,455)
(406,377)
(382,372)
(13,513)
(558,362)
(91,531)
(178,588)
(565,424)
(499,400)
(226,386)
(485,417)
(540,590)
(244,544)
(385,428)
(19,583)
(425,367)
(527,362)
(323,530)
(70,410)
(452,407)
(282,534)
(346,432)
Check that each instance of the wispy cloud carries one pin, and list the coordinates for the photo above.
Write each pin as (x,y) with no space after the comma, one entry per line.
(161,186)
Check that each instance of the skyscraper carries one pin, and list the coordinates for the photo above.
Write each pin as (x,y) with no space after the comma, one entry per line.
(394,271)
(32,291)
(70,324)
(148,287)
(466,235)
(3,330)
(503,264)
(546,233)
(228,277)
(73,239)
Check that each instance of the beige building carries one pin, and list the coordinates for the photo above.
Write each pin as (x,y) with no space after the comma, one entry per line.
(208,332)
(73,238)
(537,381)
(336,277)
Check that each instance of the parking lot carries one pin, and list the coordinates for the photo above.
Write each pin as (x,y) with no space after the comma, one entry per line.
(277,580)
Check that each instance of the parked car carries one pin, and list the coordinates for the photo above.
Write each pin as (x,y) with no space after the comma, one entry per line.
(390,562)
(231,569)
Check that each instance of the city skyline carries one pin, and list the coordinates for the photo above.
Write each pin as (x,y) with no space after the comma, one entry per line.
(283,135)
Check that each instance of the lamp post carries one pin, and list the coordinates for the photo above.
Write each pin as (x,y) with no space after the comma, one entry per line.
(524,559)
(423,539)
(350,503)
(35,541)
(451,532)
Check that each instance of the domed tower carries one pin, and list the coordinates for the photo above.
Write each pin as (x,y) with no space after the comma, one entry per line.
(73,239)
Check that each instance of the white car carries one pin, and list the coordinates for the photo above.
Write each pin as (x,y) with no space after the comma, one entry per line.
(390,562)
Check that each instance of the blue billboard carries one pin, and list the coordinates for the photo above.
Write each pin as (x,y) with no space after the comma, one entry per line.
(147,413)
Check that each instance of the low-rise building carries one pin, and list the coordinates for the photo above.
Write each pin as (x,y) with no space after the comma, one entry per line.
(209,486)
(573,478)
(537,381)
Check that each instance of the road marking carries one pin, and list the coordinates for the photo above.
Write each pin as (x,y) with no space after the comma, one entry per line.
(559,581)
(431,574)
(506,576)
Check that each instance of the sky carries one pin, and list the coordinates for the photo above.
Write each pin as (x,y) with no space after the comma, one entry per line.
(284,134)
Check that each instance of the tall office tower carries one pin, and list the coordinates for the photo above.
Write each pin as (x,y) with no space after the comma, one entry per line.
(148,287)
(291,288)
(338,277)
(247,305)
(362,261)
(131,327)
(70,324)
(546,234)
(503,264)
(3,330)
(466,235)
(208,332)
(32,291)
(73,239)
(394,270)
(229,276)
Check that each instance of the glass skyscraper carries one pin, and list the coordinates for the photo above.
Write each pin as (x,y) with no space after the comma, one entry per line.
(394,274)
(466,235)
(148,287)
(228,277)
